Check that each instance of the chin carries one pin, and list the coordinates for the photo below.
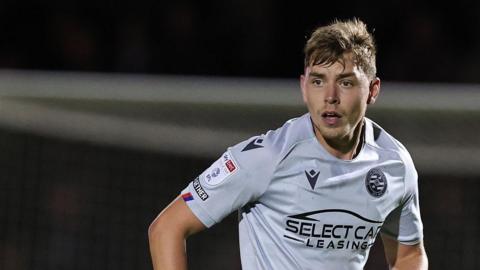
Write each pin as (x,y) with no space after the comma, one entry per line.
(332,133)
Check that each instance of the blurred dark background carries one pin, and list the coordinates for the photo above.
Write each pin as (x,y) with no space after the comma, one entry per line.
(417,41)
(69,203)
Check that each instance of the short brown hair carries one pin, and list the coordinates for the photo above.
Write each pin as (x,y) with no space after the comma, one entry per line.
(327,45)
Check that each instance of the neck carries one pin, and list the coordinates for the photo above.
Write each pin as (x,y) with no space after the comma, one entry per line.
(344,148)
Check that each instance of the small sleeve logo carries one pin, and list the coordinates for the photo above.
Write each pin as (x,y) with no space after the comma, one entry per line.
(254,144)
(312,177)
(187,196)
(199,189)
(220,170)
(230,166)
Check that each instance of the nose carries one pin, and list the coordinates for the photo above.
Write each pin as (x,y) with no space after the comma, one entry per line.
(331,96)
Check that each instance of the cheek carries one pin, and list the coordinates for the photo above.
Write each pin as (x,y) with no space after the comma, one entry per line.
(312,98)
(356,104)
(360,104)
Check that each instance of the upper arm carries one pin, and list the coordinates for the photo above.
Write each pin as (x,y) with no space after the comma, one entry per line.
(176,217)
(402,256)
(167,235)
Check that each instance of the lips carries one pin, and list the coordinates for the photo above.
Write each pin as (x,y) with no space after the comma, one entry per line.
(331,114)
(331,118)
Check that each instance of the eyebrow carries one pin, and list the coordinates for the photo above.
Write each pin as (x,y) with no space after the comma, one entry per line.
(340,76)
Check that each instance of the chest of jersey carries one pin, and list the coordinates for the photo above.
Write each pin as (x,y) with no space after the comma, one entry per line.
(326,203)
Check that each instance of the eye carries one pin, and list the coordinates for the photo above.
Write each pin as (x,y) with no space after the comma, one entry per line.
(317,82)
(346,83)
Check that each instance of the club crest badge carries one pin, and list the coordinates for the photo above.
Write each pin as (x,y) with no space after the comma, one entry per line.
(376,183)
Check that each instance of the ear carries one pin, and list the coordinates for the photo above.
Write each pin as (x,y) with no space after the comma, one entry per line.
(373,91)
(303,81)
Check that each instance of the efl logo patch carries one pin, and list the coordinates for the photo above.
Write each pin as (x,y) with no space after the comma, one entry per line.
(376,183)
(220,170)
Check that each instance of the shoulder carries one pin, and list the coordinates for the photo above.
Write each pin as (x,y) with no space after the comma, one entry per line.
(274,144)
(377,137)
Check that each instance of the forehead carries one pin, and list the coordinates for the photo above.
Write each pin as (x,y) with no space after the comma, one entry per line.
(342,66)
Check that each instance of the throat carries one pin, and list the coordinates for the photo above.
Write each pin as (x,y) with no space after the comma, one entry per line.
(347,148)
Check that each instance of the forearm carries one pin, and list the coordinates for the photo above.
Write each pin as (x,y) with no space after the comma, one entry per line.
(404,257)
(168,250)
(416,261)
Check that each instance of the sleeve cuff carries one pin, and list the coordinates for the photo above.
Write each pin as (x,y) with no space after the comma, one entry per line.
(409,240)
(197,210)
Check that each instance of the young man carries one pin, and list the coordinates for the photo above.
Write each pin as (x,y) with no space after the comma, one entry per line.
(315,193)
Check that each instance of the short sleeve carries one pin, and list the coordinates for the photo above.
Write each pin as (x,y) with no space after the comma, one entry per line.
(239,176)
(404,223)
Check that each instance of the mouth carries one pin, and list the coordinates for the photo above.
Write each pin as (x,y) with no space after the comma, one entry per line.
(331,114)
(331,117)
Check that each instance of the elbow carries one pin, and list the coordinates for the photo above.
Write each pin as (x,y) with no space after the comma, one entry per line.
(415,259)
(151,229)
(175,222)
(424,259)
(155,228)
(164,228)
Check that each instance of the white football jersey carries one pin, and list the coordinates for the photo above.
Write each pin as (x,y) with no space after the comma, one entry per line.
(302,208)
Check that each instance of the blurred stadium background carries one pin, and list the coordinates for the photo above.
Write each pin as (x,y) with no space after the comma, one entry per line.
(107,112)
